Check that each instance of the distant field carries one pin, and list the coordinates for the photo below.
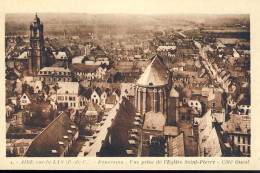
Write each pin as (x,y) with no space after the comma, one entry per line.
(226,31)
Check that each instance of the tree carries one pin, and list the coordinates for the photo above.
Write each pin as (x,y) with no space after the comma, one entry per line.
(50,59)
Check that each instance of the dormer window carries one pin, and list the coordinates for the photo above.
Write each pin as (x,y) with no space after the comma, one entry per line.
(54,151)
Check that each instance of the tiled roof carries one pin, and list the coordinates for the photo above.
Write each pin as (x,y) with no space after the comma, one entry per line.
(174,93)
(154,121)
(176,146)
(49,138)
(156,73)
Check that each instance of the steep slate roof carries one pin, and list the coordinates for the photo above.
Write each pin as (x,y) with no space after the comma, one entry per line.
(50,137)
(120,131)
(156,73)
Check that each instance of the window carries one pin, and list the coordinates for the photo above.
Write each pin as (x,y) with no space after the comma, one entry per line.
(74,104)
(213,105)
(244,139)
(24,97)
(66,98)
(21,150)
(60,98)
(182,117)
(232,138)
(15,151)
(238,139)
(244,149)
(93,100)
(24,101)
(70,98)
(188,117)
(248,149)
(249,139)
(49,72)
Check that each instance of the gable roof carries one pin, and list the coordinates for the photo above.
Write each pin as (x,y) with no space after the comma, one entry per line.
(174,93)
(24,55)
(156,73)
(50,137)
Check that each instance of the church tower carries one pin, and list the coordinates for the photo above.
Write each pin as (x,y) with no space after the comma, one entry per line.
(36,52)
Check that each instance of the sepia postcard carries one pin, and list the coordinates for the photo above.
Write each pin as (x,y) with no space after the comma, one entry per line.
(150,84)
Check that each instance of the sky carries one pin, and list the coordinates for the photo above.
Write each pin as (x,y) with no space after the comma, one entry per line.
(130,6)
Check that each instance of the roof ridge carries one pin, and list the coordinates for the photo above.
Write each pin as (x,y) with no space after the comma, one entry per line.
(48,126)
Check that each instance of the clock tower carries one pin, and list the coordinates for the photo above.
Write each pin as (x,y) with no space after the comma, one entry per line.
(36,52)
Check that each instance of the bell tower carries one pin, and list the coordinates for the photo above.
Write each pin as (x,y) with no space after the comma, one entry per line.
(36,52)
